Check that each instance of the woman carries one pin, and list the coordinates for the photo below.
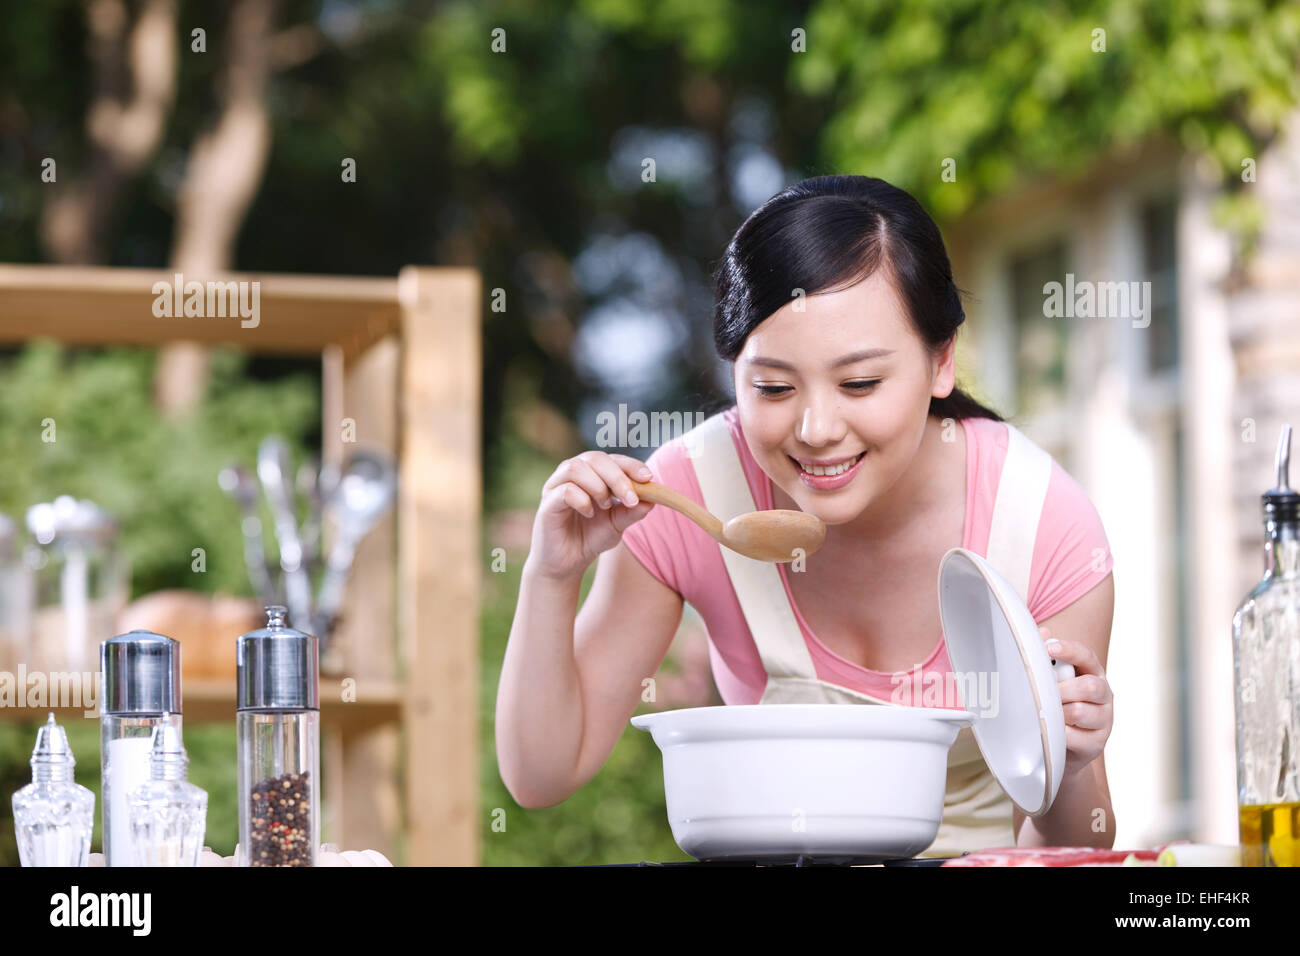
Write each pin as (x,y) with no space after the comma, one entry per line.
(837,309)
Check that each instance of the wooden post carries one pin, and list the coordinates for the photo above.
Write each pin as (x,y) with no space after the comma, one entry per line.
(359,411)
(440,500)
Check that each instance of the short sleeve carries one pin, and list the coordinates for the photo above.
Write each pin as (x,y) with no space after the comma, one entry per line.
(1072,553)
(656,540)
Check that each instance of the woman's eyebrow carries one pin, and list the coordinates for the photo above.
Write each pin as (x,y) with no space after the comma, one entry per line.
(843,360)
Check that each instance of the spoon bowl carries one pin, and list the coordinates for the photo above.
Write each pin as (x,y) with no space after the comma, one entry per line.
(777,536)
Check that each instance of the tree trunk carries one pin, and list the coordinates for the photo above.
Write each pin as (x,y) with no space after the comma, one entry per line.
(134,86)
(225,168)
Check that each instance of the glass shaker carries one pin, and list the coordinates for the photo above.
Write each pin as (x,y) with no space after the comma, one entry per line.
(53,815)
(1266,660)
(278,727)
(80,582)
(168,813)
(140,688)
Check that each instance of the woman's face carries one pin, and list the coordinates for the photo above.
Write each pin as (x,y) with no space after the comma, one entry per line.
(845,377)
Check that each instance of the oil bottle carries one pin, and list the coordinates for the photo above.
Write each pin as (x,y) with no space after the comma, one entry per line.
(1266,664)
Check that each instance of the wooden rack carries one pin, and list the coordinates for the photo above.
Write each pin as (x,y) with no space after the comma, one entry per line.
(401,359)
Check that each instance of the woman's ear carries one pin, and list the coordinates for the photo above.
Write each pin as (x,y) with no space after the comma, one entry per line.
(943,372)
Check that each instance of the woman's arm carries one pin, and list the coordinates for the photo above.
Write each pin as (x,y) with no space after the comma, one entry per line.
(568,687)
(1082,814)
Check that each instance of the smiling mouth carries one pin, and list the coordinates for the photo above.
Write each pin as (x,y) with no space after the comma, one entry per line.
(831,472)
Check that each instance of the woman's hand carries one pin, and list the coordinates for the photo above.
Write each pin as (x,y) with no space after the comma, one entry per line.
(1087,701)
(586,505)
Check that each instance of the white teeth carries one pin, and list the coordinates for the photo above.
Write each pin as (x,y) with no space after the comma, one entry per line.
(831,471)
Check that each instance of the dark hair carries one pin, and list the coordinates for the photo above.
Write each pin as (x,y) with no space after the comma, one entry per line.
(835,231)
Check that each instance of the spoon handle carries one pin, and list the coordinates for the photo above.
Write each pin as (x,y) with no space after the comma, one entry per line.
(671,498)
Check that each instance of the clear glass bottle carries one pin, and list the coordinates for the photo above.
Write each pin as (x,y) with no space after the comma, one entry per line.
(53,815)
(140,688)
(168,813)
(278,727)
(1266,661)
(15,600)
(80,582)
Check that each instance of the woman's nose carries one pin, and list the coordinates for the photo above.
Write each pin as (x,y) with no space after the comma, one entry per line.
(819,425)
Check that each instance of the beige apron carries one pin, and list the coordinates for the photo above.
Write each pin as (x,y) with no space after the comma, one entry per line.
(977,813)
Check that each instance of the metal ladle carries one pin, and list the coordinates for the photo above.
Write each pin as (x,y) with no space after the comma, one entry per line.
(237,482)
(273,470)
(363,494)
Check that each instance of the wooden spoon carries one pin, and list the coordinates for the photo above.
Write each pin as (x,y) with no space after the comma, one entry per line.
(777,535)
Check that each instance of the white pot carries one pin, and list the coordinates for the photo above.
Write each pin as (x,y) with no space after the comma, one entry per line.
(843,780)
(780,780)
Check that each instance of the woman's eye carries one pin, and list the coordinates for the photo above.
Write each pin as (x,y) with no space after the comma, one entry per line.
(863,386)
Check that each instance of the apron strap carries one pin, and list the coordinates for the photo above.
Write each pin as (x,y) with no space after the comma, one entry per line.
(1022,489)
(757,584)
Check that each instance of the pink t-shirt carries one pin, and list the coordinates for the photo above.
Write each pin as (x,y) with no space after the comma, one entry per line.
(682,556)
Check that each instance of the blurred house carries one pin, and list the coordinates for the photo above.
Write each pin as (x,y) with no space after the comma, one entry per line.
(1168,416)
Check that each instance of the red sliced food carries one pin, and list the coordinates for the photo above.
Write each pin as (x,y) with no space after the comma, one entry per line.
(1049,856)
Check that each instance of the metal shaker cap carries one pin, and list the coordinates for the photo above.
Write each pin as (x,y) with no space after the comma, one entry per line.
(141,674)
(277,667)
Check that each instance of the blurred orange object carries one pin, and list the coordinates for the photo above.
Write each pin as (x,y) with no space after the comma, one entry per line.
(206,626)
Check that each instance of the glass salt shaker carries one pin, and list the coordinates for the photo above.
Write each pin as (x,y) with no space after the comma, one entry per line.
(168,813)
(141,689)
(278,726)
(53,815)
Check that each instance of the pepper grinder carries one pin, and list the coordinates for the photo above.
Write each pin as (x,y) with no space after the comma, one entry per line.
(141,689)
(278,727)
(53,815)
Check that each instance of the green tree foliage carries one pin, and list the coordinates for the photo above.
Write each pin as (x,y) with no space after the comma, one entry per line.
(1012,90)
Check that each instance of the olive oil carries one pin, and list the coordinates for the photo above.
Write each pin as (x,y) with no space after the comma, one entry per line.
(1270,835)
(1265,649)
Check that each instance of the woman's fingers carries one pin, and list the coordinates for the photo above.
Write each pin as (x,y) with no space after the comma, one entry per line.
(635,467)
(612,473)
(1085,716)
(576,498)
(579,472)
(1077,653)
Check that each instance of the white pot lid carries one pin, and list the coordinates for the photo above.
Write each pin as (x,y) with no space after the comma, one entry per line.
(989,631)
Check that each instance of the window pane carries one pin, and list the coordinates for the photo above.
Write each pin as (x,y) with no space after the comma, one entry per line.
(1159,221)
(1040,341)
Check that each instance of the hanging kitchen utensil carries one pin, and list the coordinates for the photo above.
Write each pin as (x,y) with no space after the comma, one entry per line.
(273,469)
(364,493)
(308,482)
(237,482)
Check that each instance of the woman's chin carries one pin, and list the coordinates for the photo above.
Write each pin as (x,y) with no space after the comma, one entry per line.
(830,512)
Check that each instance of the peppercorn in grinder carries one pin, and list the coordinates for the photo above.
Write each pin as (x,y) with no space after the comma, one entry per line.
(278,727)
